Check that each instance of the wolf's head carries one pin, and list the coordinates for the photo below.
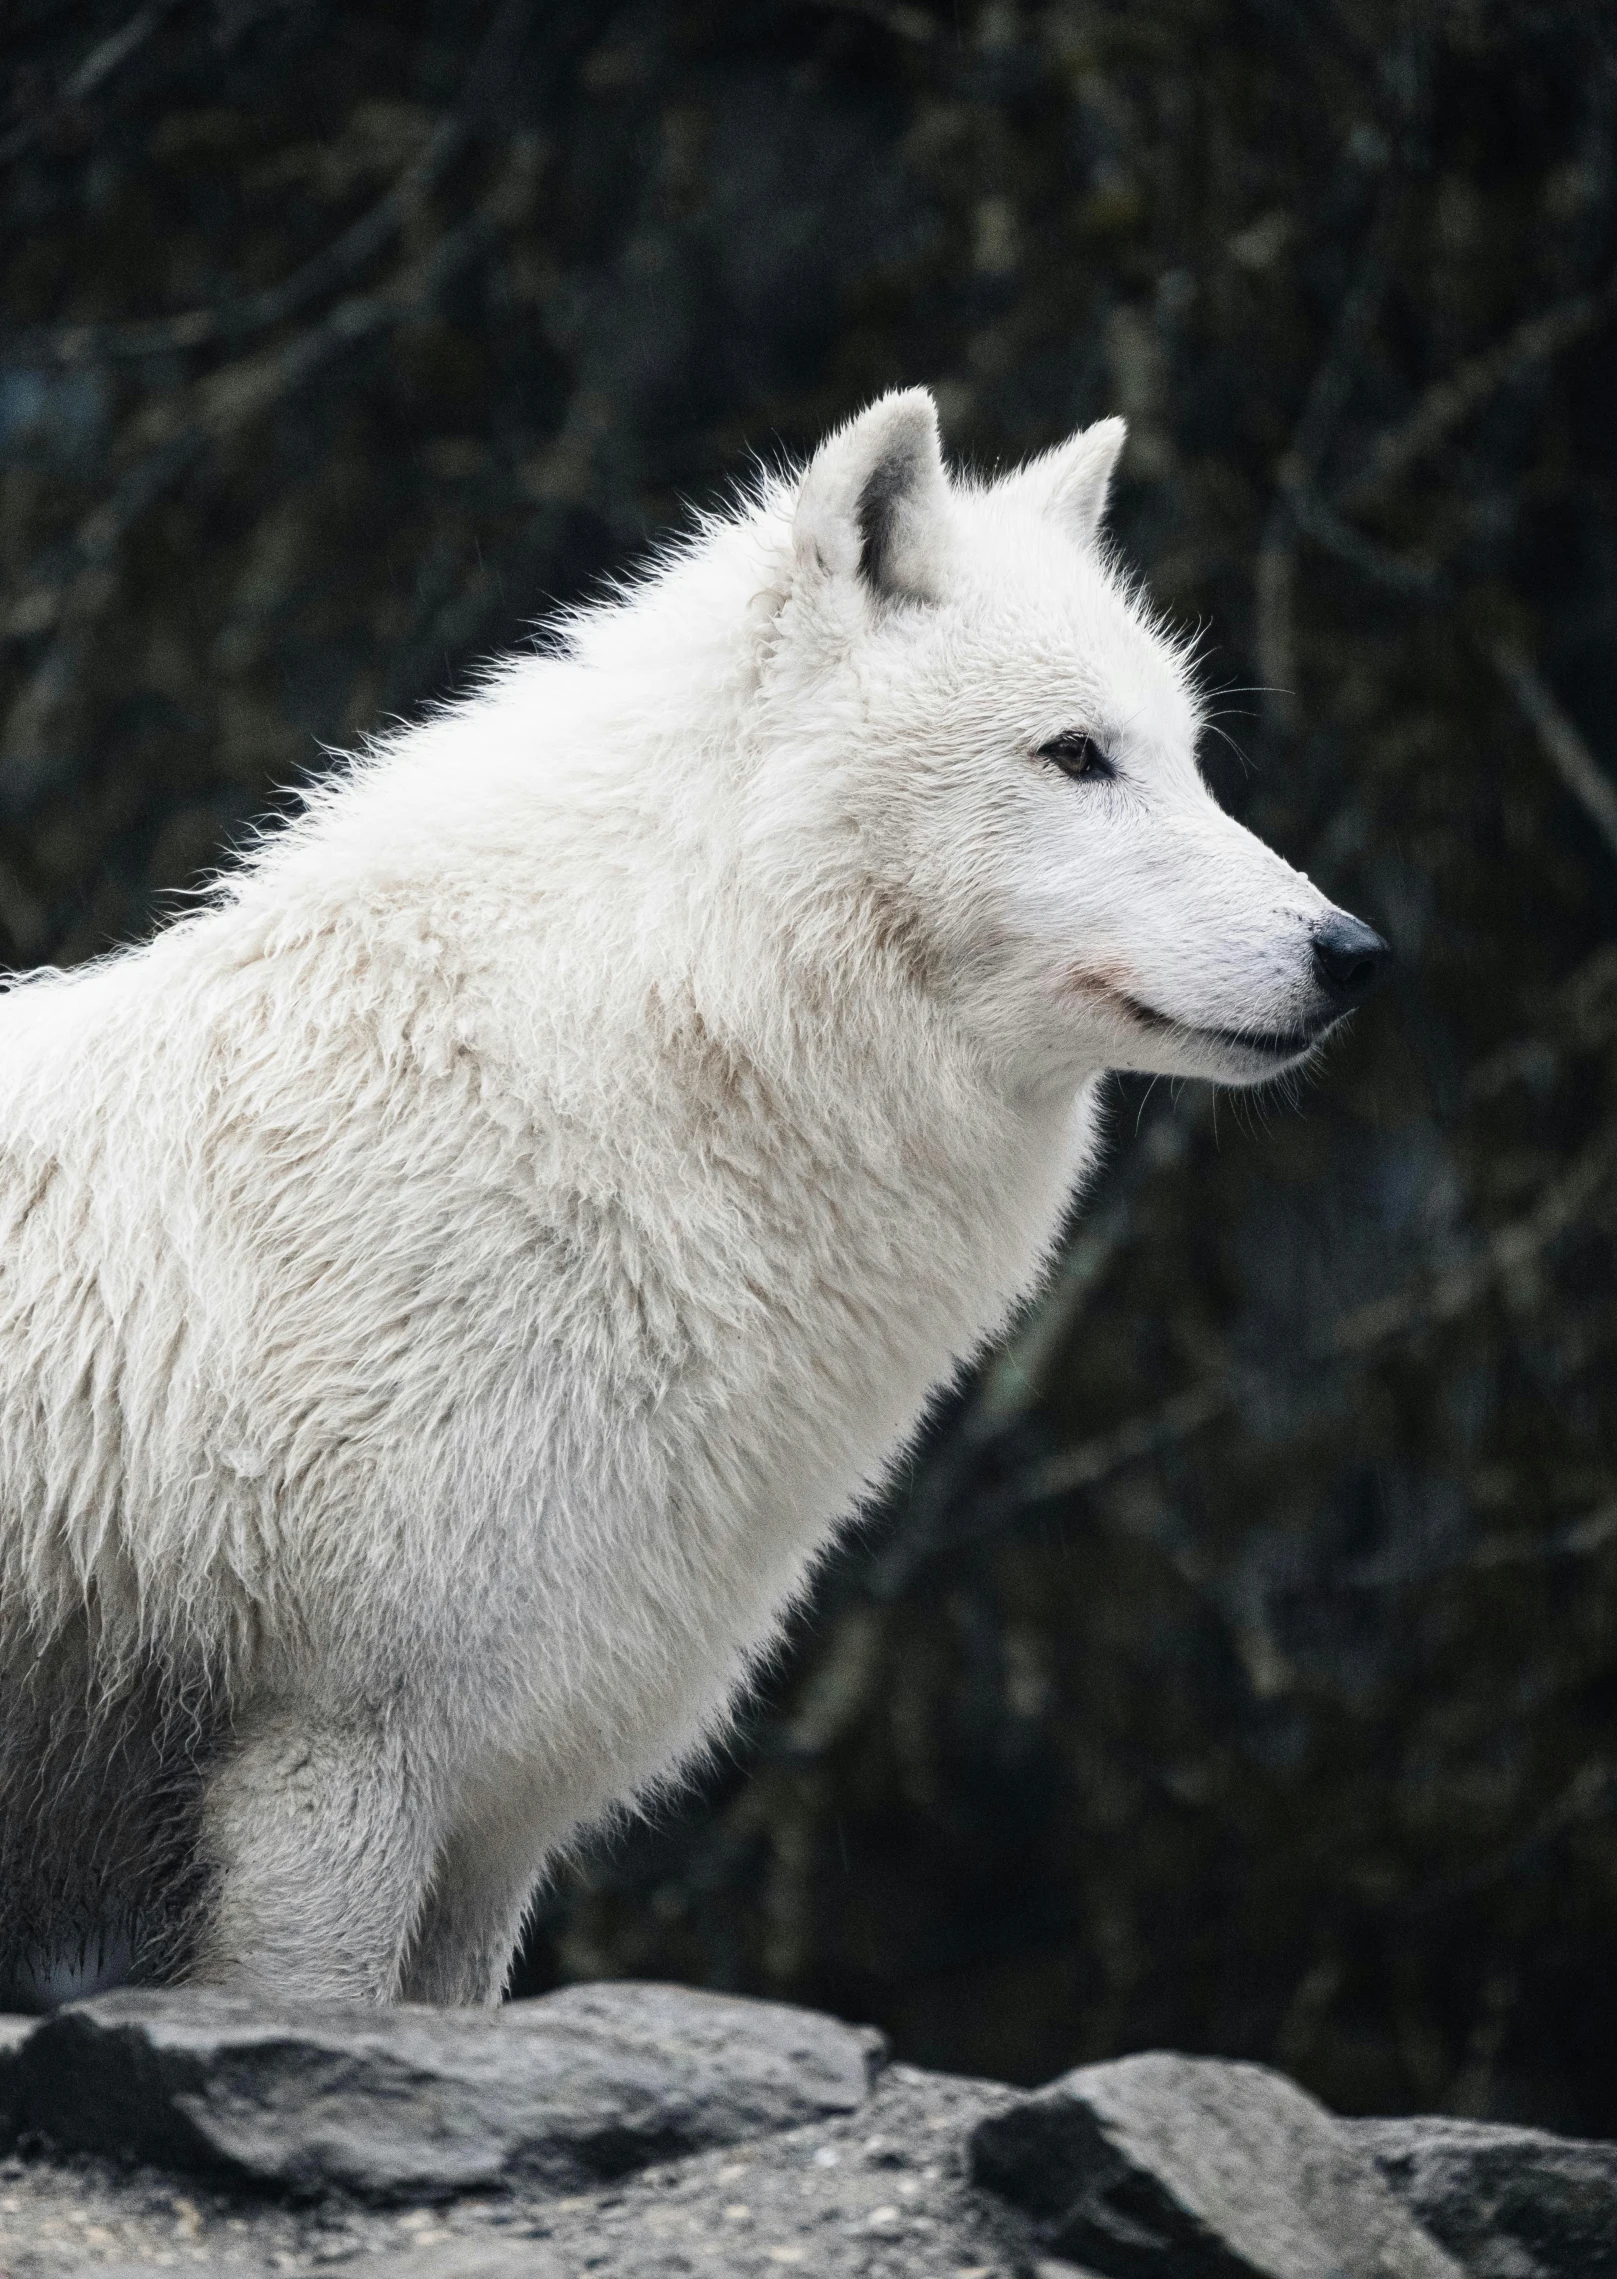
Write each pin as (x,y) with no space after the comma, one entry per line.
(964,689)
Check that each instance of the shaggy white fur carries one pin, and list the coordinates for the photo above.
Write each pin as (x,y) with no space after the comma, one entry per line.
(453,1285)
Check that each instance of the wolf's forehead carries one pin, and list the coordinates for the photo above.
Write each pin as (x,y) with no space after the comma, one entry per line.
(1082,643)
(1022,566)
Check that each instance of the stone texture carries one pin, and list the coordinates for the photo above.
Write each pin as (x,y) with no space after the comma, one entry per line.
(650,2131)
(559,2093)
(465,2259)
(1167,2167)
(1510,2203)
(880,2193)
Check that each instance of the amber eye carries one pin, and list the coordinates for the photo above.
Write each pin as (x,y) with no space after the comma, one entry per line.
(1076,754)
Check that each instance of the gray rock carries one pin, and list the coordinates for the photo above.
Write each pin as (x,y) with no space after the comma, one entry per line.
(877,2193)
(1510,2203)
(466,2259)
(14,2032)
(555,2094)
(486,2259)
(1201,2168)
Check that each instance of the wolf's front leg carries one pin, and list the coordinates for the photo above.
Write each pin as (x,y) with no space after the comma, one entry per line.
(466,1938)
(319,1837)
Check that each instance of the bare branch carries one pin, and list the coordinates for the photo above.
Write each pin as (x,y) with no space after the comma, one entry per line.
(1576,1539)
(1560,741)
(255,312)
(1399,1564)
(229,399)
(1275,575)
(1356,1338)
(1015,1379)
(1441,411)
(332,266)
(1450,403)
(101,62)
(905,23)
(1318,520)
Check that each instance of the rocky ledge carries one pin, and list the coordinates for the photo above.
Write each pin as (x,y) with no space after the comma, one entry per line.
(651,2131)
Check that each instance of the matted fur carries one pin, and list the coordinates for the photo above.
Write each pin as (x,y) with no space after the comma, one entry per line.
(453,1285)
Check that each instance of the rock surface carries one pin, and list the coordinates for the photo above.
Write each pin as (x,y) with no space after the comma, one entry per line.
(881,2193)
(1510,2203)
(465,2259)
(562,2093)
(651,2132)
(1162,2165)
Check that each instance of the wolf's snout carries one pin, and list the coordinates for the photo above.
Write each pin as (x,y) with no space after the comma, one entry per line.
(1350,959)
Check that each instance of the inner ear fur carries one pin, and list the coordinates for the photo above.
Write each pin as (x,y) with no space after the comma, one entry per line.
(874,504)
(1071,483)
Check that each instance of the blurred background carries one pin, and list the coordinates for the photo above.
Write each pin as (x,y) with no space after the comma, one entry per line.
(1235,1665)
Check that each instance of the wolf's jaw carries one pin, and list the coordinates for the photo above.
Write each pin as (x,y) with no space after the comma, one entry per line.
(1268,1052)
(1276,1047)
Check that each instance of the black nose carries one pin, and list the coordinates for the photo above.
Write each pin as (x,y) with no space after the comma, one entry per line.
(1350,959)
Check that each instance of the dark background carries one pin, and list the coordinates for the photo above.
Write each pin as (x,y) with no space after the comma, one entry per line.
(1236,1667)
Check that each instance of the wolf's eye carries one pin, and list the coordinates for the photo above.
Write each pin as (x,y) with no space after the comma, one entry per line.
(1076,754)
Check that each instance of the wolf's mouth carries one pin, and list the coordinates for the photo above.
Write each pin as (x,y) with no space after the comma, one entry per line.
(1277,1045)
(1273,1044)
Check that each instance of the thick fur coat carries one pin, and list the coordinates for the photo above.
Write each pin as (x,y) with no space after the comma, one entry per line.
(453,1285)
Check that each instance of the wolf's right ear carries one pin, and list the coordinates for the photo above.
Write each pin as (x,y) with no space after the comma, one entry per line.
(1072,481)
(874,503)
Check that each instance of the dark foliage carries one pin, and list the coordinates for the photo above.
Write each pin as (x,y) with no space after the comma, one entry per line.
(1236,1666)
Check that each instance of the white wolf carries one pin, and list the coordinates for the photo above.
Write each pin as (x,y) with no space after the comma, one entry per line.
(453,1285)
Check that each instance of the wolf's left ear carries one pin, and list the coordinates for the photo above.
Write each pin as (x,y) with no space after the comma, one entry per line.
(1071,482)
(874,503)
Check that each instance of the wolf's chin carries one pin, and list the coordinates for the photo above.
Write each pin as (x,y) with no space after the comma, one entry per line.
(1253,1056)
(1258,1058)
(1242,1056)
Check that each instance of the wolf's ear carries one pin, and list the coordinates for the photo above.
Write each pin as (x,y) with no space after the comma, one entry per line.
(874,503)
(1071,482)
